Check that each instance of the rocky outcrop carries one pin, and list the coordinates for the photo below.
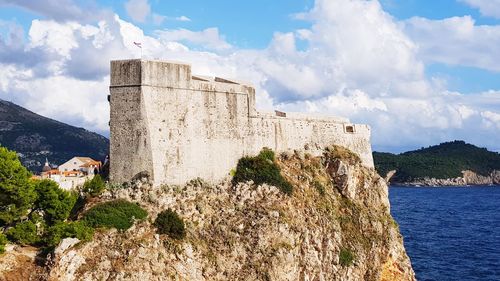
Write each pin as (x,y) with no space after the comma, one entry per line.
(468,178)
(21,263)
(495,177)
(250,232)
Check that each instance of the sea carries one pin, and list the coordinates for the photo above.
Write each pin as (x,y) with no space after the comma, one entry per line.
(450,233)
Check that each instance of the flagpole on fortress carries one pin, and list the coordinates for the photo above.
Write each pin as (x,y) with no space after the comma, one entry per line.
(139,45)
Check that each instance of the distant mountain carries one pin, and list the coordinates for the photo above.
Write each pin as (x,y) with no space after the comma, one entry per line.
(444,161)
(35,138)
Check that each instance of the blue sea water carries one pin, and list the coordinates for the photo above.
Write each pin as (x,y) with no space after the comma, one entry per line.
(450,233)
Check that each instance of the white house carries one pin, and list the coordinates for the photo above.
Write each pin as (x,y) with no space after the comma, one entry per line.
(83,164)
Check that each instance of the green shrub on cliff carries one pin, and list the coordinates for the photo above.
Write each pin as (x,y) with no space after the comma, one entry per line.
(95,186)
(262,169)
(319,187)
(119,214)
(168,222)
(3,241)
(24,233)
(346,257)
(75,229)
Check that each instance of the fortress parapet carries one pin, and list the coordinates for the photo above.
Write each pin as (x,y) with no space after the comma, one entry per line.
(177,126)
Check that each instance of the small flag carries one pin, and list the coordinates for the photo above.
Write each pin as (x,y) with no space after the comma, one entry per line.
(138,44)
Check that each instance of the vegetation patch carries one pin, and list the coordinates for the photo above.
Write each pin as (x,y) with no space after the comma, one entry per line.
(53,202)
(119,214)
(339,152)
(262,169)
(34,212)
(23,233)
(3,242)
(319,187)
(346,257)
(17,192)
(94,187)
(75,229)
(170,223)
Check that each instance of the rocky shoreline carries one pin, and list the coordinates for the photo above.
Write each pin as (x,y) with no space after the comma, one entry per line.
(468,178)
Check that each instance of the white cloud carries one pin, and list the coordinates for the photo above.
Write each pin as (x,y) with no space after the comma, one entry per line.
(138,10)
(60,10)
(358,62)
(489,8)
(182,18)
(159,19)
(456,41)
(491,119)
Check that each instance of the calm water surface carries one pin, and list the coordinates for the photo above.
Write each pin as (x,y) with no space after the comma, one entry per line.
(450,233)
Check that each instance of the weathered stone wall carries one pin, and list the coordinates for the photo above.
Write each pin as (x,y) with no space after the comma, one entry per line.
(178,127)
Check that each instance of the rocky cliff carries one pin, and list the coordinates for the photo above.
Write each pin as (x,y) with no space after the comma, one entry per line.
(335,226)
(467,178)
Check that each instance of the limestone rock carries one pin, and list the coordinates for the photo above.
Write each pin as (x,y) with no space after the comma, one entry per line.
(389,175)
(468,178)
(66,244)
(250,232)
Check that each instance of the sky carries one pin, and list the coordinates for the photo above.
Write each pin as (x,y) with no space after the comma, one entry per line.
(418,72)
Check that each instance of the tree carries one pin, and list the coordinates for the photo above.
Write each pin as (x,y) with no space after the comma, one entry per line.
(95,186)
(55,203)
(60,231)
(17,192)
(34,212)
(24,233)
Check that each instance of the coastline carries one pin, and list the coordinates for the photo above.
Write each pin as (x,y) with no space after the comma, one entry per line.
(468,179)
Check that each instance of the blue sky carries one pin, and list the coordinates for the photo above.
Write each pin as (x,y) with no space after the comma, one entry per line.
(419,72)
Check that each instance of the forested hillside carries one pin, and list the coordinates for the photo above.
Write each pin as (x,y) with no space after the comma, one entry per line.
(35,138)
(446,160)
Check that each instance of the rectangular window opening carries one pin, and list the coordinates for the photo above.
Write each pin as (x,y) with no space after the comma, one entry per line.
(349,129)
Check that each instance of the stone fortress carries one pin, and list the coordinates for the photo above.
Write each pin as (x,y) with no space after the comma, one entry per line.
(177,126)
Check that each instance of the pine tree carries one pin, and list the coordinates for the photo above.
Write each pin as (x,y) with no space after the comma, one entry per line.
(17,193)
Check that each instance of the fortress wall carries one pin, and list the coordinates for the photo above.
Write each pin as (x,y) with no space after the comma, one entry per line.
(129,137)
(178,127)
(198,133)
(312,135)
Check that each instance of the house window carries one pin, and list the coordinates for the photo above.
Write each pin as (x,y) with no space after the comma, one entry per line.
(349,129)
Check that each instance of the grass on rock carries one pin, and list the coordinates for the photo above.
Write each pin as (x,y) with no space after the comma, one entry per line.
(262,169)
(119,214)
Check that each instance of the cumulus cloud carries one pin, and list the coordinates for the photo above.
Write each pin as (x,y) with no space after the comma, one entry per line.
(358,62)
(60,10)
(491,119)
(159,19)
(138,10)
(182,18)
(489,8)
(456,41)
